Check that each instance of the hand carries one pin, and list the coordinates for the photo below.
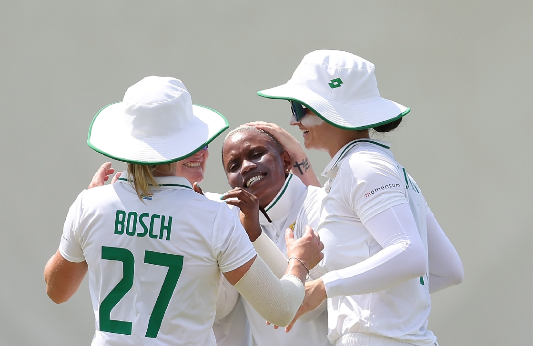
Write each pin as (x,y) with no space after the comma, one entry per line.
(287,141)
(249,214)
(300,164)
(102,175)
(196,187)
(315,293)
(308,248)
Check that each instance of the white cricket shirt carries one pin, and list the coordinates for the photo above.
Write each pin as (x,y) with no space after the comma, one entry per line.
(154,265)
(364,180)
(296,206)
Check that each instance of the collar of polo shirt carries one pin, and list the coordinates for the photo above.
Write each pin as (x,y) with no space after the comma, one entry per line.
(167,182)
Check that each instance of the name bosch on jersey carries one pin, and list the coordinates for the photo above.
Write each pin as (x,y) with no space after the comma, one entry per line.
(128,222)
(388,186)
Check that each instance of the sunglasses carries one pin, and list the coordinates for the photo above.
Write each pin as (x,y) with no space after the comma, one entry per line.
(204,148)
(298,110)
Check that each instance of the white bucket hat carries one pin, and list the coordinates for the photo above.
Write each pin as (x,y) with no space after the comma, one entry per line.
(341,88)
(156,123)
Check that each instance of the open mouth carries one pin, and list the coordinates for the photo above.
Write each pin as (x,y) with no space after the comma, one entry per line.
(253,180)
(192,164)
(304,132)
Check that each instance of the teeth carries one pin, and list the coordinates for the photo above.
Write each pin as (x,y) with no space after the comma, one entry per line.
(192,164)
(253,180)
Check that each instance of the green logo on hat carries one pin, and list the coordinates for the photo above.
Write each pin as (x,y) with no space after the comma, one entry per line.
(335,83)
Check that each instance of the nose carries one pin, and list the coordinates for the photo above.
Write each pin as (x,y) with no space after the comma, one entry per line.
(247,166)
(293,121)
(199,153)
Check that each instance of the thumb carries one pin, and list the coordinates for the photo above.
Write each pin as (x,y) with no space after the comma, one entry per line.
(289,235)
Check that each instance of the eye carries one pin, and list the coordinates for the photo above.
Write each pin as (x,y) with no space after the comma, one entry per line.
(256,154)
(232,167)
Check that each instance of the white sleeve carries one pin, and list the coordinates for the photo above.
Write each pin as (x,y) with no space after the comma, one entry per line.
(226,300)
(277,301)
(271,254)
(374,184)
(231,246)
(402,258)
(445,266)
(70,245)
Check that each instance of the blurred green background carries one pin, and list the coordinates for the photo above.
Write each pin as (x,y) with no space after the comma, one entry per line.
(463,67)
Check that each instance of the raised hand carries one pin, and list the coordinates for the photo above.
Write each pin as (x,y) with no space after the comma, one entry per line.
(102,175)
(249,206)
(307,249)
(301,166)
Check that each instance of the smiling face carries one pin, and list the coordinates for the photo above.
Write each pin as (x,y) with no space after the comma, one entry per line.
(253,161)
(314,130)
(193,167)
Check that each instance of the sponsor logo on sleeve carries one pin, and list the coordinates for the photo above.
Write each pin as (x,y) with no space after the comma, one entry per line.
(384,187)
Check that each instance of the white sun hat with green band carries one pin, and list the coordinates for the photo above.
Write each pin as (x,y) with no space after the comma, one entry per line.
(155,123)
(341,88)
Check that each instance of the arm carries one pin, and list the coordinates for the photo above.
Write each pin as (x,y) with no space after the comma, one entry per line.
(249,217)
(226,300)
(445,267)
(301,166)
(63,278)
(402,258)
(278,300)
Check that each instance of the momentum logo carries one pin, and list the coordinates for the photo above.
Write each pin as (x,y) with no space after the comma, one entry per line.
(388,186)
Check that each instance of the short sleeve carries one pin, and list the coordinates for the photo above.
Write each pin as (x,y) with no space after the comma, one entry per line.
(376,184)
(70,245)
(232,247)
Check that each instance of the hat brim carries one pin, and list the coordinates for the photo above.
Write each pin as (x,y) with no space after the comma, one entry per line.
(110,137)
(361,116)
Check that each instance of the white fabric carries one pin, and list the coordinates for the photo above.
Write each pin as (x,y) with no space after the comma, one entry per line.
(295,206)
(207,234)
(273,257)
(230,328)
(445,266)
(155,123)
(341,88)
(365,184)
(403,257)
(275,300)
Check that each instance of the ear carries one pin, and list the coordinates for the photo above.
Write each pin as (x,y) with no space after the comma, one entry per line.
(287,161)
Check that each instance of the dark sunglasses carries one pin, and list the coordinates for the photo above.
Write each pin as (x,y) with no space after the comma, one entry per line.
(297,109)
(204,148)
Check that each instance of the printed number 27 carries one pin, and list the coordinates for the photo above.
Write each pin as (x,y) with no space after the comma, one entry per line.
(174,264)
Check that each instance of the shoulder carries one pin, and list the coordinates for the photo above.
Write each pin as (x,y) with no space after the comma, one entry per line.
(315,194)
(365,164)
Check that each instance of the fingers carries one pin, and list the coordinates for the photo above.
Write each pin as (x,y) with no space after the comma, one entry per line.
(196,187)
(273,325)
(243,199)
(115,177)
(289,235)
(101,175)
(299,313)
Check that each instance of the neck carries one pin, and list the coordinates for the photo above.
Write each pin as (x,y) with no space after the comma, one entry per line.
(165,170)
(341,137)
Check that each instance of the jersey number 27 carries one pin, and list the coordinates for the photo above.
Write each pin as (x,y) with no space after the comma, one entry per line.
(174,264)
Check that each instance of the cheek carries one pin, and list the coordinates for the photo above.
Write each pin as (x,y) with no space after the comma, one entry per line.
(232,180)
(311,121)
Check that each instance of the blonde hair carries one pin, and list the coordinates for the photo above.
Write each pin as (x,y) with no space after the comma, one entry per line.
(141,177)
